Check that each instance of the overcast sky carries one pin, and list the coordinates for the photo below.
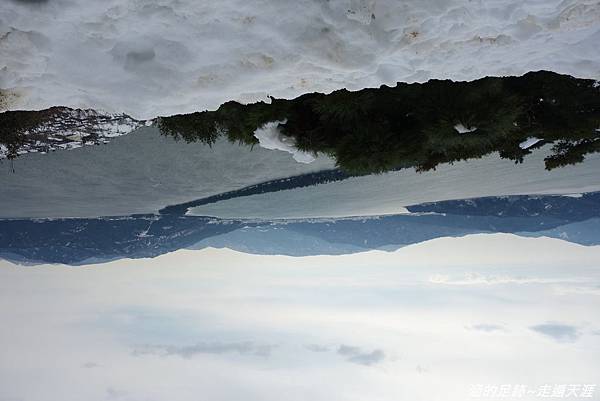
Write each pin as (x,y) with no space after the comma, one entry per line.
(427,322)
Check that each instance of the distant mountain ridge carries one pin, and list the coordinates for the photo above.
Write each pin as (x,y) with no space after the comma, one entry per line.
(93,240)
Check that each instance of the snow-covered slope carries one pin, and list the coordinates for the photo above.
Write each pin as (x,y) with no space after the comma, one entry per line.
(137,173)
(161,57)
(389,193)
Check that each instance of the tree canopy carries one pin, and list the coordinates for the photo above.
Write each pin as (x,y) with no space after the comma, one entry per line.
(420,125)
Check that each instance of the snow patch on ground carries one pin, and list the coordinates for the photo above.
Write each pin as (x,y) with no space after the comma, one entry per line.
(461,129)
(270,137)
(529,142)
(149,58)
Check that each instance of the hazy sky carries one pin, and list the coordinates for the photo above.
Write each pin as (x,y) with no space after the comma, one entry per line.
(424,323)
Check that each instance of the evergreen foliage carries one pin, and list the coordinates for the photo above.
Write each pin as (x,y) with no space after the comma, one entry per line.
(409,125)
(414,125)
(14,126)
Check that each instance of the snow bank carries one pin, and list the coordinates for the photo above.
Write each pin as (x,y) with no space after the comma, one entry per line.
(159,57)
(270,137)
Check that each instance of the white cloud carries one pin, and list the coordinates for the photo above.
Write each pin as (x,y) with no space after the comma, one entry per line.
(209,316)
(360,356)
(189,351)
(485,327)
(479,279)
(562,333)
(317,348)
